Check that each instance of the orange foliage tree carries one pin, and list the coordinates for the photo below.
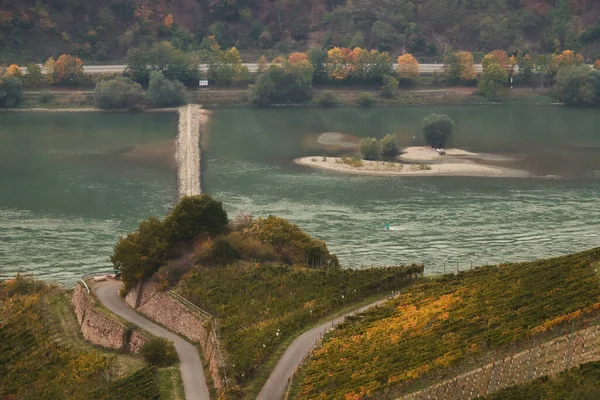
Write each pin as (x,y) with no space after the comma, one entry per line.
(408,68)
(168,21)
(66,70)
(597,64)
(336,63)
(14,71)
(566,59)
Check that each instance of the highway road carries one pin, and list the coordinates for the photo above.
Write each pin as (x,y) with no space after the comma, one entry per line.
(192,373)
(426,69)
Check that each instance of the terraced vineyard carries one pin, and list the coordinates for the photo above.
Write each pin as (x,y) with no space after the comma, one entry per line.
(261,306)
(440,322)
(143,384)
(35,363)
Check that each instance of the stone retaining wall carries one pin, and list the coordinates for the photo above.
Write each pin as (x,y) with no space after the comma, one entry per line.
(159,306)
(99,328)
(548,358)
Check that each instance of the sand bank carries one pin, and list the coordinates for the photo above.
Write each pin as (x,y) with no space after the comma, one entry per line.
(423,162)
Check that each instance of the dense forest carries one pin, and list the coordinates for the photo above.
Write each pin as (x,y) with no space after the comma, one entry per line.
(102,30)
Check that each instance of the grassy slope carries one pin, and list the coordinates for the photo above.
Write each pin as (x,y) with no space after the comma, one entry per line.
(440,322)
(579,383)
(261,308)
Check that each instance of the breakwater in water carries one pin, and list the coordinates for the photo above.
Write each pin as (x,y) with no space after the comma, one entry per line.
(188,153)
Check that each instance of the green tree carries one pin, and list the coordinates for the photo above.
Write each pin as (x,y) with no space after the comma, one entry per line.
(369,148)
(318,58)
(437,130)
(194,216)
(285,82)
(163,92)
(141,253)
(119,92)
(492,79)
(459,68)
(34,75)
(11,91)
(227,68)
(578,86)
(526,67)
(389,146)
(161,56)
(390,84)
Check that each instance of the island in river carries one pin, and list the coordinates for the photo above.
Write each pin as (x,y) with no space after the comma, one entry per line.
(422,161)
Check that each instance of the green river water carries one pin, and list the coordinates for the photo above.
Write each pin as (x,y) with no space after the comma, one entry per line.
(70,184)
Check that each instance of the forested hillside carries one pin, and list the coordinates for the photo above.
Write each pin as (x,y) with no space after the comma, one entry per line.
(103,30)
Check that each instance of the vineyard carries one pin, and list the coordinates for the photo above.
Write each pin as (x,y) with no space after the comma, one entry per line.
(579,383)
(35,363)
(142,385)
(438,323)
(259,307)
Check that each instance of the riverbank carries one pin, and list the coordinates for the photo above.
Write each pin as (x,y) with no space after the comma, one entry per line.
(420,161)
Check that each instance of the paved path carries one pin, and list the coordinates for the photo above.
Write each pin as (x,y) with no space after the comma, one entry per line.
(192,374)
(276,385)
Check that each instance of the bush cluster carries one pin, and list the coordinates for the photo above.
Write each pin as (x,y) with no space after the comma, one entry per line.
(386,148)
(159,352)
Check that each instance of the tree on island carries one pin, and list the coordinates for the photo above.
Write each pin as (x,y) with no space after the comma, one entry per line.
(389,146)
(369,148)
(437,130)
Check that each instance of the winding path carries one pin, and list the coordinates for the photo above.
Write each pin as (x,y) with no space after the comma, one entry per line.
(192,373)
(276,385)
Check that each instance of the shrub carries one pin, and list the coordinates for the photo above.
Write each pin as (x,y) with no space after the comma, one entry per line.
(194,216)
(369,148)
(223,251)
(365,100)
(327,99)
(353,161)
(163,92)
(578,86)
(437,130)
(390,84)
(284,82)
(408,69)
(159,352)
(118,93)
(46,96)
(11,91)
(389,146)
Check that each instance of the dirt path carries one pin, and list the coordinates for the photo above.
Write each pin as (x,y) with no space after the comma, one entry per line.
(192,373)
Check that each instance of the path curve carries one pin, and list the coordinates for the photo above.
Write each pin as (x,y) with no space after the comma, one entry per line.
(192,373)
(276,385)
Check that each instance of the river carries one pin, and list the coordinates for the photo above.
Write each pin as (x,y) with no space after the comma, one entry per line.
(71,183)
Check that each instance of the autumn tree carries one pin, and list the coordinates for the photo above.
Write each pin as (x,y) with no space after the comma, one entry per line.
(66,70)
(597,64)
(337,68)
(227,68)
(459,67)
(492,79)
(567,58)
(408,68)
(14,71)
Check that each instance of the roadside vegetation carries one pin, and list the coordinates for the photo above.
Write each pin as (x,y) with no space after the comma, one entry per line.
(439,323)
(40,359)
(579,383)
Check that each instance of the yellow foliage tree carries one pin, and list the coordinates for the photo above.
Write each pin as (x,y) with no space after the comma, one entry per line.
(65,70)
(336,63)
(459,67)
(567,58)
(262,64)
(408,68)
(14,71)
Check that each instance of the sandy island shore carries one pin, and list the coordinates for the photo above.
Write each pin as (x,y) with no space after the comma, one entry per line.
(422,161)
